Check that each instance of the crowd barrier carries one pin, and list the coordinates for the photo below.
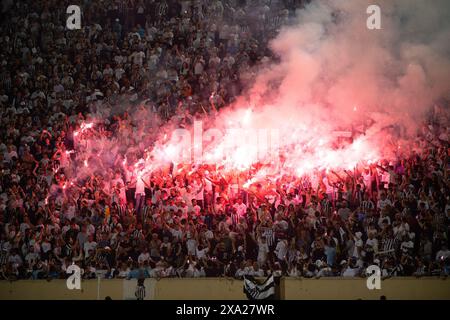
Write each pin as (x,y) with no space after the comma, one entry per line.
(227,289)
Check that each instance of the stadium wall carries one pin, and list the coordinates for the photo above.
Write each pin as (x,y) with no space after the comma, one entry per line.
(351,289)
(57,290)
(227,289)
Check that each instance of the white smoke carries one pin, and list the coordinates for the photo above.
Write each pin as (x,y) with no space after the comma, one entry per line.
(331,60)
(334,73)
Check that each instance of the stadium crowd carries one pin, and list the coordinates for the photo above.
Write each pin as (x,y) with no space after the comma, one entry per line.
(168,56)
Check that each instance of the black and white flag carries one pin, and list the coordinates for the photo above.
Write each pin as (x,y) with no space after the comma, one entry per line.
(256,291)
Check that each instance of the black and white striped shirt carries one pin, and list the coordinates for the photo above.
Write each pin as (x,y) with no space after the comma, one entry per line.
(136,234)
(366,205)
(270,236)
(120,209)
(6,82)
(140,292)
(147,212)
(389,245)
(326,206)
(3,258)
(234,218)
(358,197)
(122,6)
(162,9)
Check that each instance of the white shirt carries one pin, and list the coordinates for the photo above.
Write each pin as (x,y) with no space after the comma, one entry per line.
(118,73)
(198,191)
(259,273)
(191,245)
(138,57)
(241,209)
(350,272)
(46,246)
(31,257)
(367,178)
(383,203)
(140,186)
(144,257)
(176,233)
(198,69)
(90,230)
(196,209)
(201,253)
(329,188)
(380,220)
(372,243)
(281,250)
(263,250)
(402,229)
(89,245)
(282,224)
(358,244)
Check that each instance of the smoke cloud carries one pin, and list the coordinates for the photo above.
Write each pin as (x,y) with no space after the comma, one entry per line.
(332,62)
(333,74)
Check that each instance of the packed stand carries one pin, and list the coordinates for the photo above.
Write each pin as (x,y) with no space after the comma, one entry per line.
(186,57)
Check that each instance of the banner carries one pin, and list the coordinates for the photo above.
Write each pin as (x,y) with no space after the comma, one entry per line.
(256,291)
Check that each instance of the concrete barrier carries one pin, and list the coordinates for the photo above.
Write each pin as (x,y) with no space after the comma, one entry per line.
(227,289)
(355,288)
(57,290)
